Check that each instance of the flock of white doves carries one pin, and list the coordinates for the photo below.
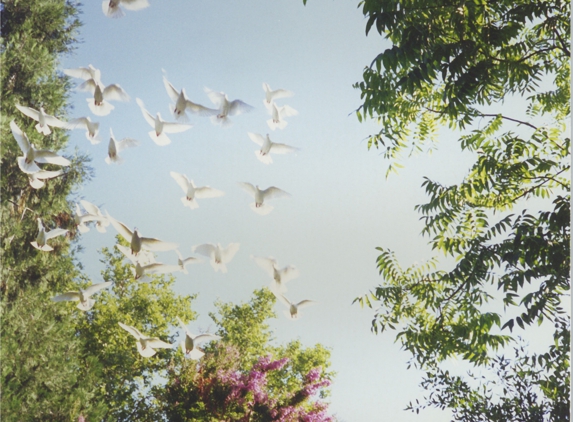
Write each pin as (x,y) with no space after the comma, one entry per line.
(141,249)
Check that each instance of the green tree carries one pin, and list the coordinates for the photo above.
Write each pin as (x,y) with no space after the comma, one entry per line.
(455,64)
(40,364)
(244,376)
(125,379)
(34,35)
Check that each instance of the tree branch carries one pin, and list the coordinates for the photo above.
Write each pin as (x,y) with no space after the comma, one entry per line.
(510,119)
(528,191)
(563,45)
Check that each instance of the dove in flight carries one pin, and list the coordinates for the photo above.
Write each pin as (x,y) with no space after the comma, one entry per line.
(218,255)
(293,308)
(83,295)
(81,218)
(138,243)
(192,192)
(37,179)
(43,237)
(91,128)
(226,107)
(27,163)
(160,126)
(99,104)
(101,221)
(139,270)
(44,120)
(183,262)
(271,95)
(143,257)
(259,205)
(189,345)
(145,344)
(280,276)
(183,104)
(111,8)
(268,147)
(84,73)
(278,114)
(115,147)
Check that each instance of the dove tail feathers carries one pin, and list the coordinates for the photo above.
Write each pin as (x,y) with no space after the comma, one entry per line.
(94,140)
(221,121)
(274,125)
(117,160)
(86,306)
(111,12)
(160,140)
(28,168)
(36,183)
(45,248)
(263,158)
(45,130)
(263,209)
(190,204)
(100,110)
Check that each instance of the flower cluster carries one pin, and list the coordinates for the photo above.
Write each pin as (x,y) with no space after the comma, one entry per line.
(247,397)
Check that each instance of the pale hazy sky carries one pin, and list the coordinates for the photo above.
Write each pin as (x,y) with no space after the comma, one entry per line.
(342,206)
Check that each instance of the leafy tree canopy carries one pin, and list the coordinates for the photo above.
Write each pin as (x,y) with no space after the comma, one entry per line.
(245,377)
(457,65)
(40,363)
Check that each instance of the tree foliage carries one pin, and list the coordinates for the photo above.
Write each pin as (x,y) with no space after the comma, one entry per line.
(240,379)
(125,378)
(525,387)
(40,363)
(457,65)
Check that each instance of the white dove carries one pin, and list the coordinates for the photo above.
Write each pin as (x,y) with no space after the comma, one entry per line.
(101,222)
(99,104)
(115,147)
(159,268)
(84,73)
(183,262)
(260,195)
(226,107)
(293,311)
(37,179)
(112,10)
(145,344)
(182,104)
(278,115)
(160,126)
(144,263)
(44,120)
(27,163)
(154,268)
(138,243)
(271,95)
(81,218)
(280,277)
(143,257)
(92,128)
(43,236)
(218,256)
(189,345)
(83,296)
(268,147)
(192,192)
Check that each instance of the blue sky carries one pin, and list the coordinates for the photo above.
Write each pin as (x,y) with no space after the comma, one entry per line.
(342,206)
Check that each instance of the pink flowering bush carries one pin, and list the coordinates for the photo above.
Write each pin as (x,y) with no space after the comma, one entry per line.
(218,390)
